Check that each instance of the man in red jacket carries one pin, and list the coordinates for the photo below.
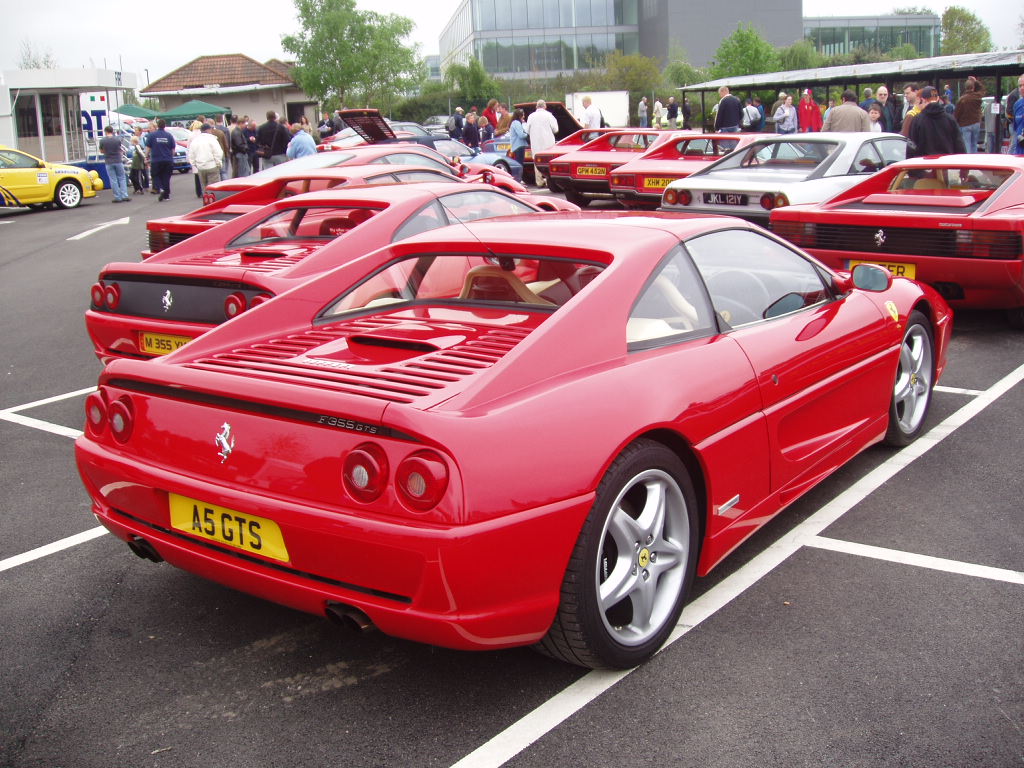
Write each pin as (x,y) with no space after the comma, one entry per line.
(809,113)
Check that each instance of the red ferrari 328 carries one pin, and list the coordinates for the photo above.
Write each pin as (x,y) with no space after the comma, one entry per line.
(955,222)
(527,431)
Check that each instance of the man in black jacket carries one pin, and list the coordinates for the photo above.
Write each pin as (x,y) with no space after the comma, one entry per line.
(934,131)
(272,138)
(727,120)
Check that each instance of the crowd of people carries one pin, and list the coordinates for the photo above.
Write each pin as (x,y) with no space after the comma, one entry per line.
(235,146)
(930,118)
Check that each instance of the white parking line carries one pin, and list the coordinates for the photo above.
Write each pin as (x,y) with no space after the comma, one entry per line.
(45,426)
(521,734)
(957,391)
(48,400)
(49,549)
(99,228)
(921,561)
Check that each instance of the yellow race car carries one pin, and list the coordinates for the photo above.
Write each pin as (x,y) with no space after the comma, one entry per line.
(27,180)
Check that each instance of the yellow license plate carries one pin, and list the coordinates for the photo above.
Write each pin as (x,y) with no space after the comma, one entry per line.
(248,533)
(161,343)
(898,269)
(652,183)
(591,170)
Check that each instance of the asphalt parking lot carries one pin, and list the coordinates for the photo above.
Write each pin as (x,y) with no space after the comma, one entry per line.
(876,622)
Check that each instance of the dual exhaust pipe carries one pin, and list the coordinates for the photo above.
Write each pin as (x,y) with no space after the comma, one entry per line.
(347,616)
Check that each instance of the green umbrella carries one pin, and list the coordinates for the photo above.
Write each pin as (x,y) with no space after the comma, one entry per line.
(190,110)
(135,111)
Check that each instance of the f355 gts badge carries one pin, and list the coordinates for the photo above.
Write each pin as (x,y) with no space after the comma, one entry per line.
(225,442)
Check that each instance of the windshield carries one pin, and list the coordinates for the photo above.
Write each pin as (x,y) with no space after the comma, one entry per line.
(706,147)
(179,134)
(784,155)
(306,223)
(542,283)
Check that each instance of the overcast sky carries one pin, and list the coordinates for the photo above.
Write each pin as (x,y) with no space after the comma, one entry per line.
(140,36)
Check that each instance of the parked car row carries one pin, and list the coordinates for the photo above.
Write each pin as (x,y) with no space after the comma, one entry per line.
(374,400)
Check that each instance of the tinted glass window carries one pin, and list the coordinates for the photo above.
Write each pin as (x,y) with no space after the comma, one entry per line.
(867,159)
(10,159)
(470,206)
(751,277)
(427,218)
(672,304)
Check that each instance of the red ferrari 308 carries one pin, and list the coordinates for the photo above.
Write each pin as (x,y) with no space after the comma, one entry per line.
(955,222)
(151,308)
(533,431)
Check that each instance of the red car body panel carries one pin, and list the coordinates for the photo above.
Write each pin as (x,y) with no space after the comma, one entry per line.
(208,269)
(639,183)
(964,239)
(587,170)
(570,143)
(498,396)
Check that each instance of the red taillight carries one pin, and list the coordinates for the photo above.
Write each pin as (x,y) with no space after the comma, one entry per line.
(95,413)
(234,305)
(803,234)
(121,419)
(685,197)
(96,294)
(112,295)
(260,299)
(623,181)
(781,201)
(365,472)
(560,168)
(767,201)
(670,197)
(422,479)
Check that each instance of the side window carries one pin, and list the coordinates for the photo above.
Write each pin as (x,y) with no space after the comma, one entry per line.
(672,304)
(9,159)
(892,150)
(409,158)
(867,159)
(751,277)
(425,176)
(425,219)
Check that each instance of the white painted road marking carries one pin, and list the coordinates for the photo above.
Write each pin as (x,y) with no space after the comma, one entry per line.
(524,732)
(13,415)
(49,549)
(99,228)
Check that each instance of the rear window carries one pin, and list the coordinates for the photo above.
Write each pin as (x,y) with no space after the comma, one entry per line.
(523,281)
(305,223)
(959,180)
(804,155)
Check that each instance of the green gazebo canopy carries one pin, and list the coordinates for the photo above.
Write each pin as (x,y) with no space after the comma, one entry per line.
(193,109)
(132,110)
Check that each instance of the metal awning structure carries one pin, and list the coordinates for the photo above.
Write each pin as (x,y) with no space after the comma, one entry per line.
(931,71)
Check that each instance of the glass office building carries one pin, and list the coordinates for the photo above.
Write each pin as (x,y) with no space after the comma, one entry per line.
(837,35)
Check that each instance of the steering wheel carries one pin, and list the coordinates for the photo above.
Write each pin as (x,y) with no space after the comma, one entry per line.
(745,295)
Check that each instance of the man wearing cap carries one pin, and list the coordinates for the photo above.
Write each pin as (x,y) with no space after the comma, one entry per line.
(934,131)
(205,153)
(809,113)
(847,116)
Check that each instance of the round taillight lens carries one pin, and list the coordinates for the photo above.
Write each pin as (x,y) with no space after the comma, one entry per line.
(95,412)
(121,419)
(257,300)
(671,197)
(112,295)
(422,479)
(365,473)
(767,201)
(234,305)
(96,294)
(685,197)
(781,200)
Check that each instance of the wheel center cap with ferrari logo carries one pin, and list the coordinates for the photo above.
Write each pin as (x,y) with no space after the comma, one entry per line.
(643,559)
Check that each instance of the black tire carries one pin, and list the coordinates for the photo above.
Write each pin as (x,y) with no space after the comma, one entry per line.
(553,185)
(914,380)
(645,551)
(67,194)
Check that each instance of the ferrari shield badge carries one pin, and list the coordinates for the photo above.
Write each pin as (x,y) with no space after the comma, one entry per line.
(225,442)
(893,311)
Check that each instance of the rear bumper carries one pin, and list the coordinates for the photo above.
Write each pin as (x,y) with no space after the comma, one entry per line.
(488,585)
(117,336)
(964,283)
(646,199)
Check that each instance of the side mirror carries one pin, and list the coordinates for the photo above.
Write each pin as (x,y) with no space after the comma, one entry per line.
(871,277)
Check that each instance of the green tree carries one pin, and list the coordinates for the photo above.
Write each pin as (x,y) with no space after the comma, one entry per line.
(471,82)
(903,52)
(680,71)
(744,52)
(963,32)
(340,51)
(800,55)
